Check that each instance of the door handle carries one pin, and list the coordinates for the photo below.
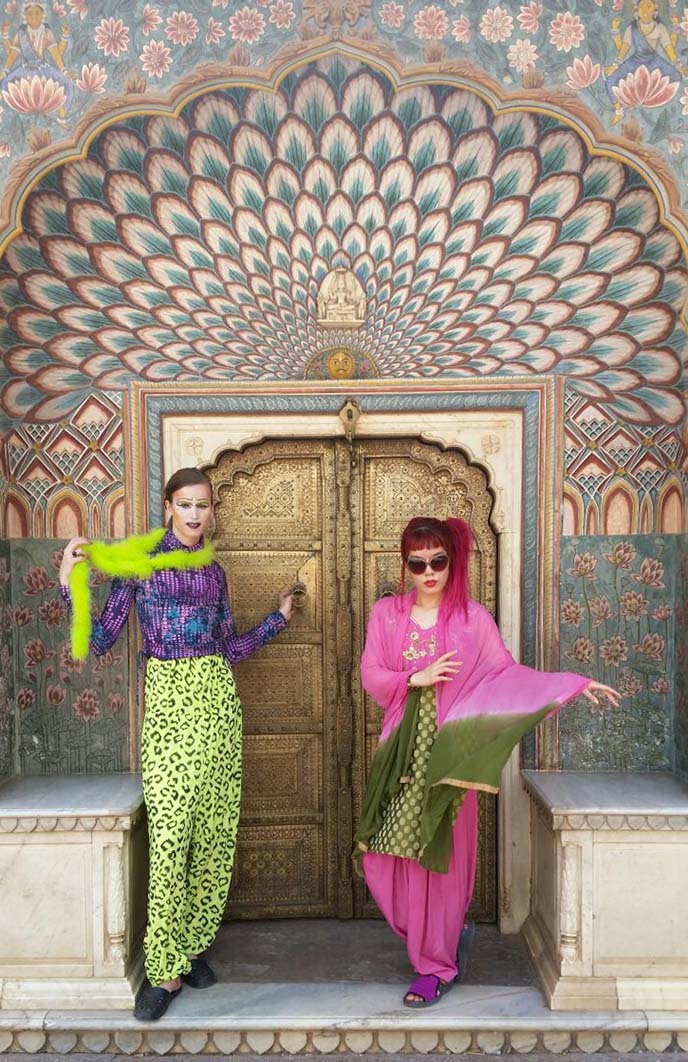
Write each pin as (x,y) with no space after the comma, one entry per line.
(386,590)
(298,595)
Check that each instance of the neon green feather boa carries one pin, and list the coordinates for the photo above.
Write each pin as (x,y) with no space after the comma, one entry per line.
(129,559)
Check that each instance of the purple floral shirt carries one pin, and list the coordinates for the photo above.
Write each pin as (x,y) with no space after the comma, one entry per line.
(182,613)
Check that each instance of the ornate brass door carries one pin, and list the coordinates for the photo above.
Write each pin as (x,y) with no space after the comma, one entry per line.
(327,514)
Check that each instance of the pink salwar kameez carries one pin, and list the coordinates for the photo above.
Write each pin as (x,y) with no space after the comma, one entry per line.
(482,713)
(427,909)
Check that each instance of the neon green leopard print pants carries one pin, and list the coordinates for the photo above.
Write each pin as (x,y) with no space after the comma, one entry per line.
(191,762)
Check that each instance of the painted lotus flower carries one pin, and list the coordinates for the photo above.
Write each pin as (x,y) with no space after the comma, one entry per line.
(34,95)
(26,698)
(496,24)
(566,31)
(461,29)
(112,36)
(582,651)
(156,58)
(182,28)
(53,612)
(93,78)
(660,685)
(645,88)
(87,705)
(150,19)
(584,565)
(392,15)
(115,703)
(621,555)
(614,650)
(662,613)
(629,684)
(23,616)
(529,17)
(600,610)
(633,605)
(36,580)
(651,573)
(55,694)
(431,23)
(214,32)
(582,73)
(522,55)
(571,613)
(35,653)
(652,646)
(247,25)
(5,150)
(282,14)
(79,7)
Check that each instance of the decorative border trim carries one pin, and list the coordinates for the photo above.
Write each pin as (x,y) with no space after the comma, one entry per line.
(626,1036)
(610,820)
(69,823)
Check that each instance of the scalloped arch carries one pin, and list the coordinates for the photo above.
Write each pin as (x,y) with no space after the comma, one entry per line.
(491,239)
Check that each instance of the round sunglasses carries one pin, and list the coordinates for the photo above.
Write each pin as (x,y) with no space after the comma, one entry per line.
(418,567)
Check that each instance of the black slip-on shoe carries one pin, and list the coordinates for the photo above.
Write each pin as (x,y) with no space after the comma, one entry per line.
(152,1002)
(200,975)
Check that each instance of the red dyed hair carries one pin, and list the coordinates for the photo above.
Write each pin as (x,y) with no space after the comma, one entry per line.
(456,538)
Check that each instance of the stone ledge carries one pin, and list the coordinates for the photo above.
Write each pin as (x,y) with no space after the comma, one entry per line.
(50,803)
(580,800)
(300,1018)
(73,857)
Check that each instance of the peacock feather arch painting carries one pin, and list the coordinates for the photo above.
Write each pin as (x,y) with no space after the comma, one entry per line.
(194,248)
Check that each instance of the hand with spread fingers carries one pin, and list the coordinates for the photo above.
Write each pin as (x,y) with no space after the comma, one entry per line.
(442,670)
(612,695)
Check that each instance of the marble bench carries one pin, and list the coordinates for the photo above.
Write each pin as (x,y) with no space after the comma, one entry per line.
(608,923)
(73,874)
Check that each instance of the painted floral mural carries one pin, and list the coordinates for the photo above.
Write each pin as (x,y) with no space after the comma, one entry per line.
(72,716)
(195,247)
(625,61)
(681,657)
(6,668)
(617,613)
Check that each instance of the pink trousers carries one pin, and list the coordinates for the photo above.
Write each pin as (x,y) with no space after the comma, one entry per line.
(426,909)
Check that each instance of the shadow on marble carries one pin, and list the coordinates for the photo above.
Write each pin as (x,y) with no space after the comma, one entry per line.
(320,951)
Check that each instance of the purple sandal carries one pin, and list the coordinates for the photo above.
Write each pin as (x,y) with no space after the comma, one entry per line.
(430,988)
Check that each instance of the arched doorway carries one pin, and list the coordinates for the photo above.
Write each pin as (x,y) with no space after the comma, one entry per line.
(326,513)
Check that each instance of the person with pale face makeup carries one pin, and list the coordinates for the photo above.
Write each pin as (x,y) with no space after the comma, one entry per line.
(191,740)
(455,705)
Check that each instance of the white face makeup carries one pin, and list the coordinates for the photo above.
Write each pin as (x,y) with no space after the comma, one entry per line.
(191,510)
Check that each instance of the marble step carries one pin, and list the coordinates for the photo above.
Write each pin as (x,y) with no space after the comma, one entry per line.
(345,1016)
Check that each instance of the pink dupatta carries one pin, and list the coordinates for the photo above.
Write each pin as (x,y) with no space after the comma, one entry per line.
(482,714)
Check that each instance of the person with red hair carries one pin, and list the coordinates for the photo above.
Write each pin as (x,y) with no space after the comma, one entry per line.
(455,705)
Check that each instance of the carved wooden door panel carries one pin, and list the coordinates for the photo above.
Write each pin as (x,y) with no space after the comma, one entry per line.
(395,480)
(275,525)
